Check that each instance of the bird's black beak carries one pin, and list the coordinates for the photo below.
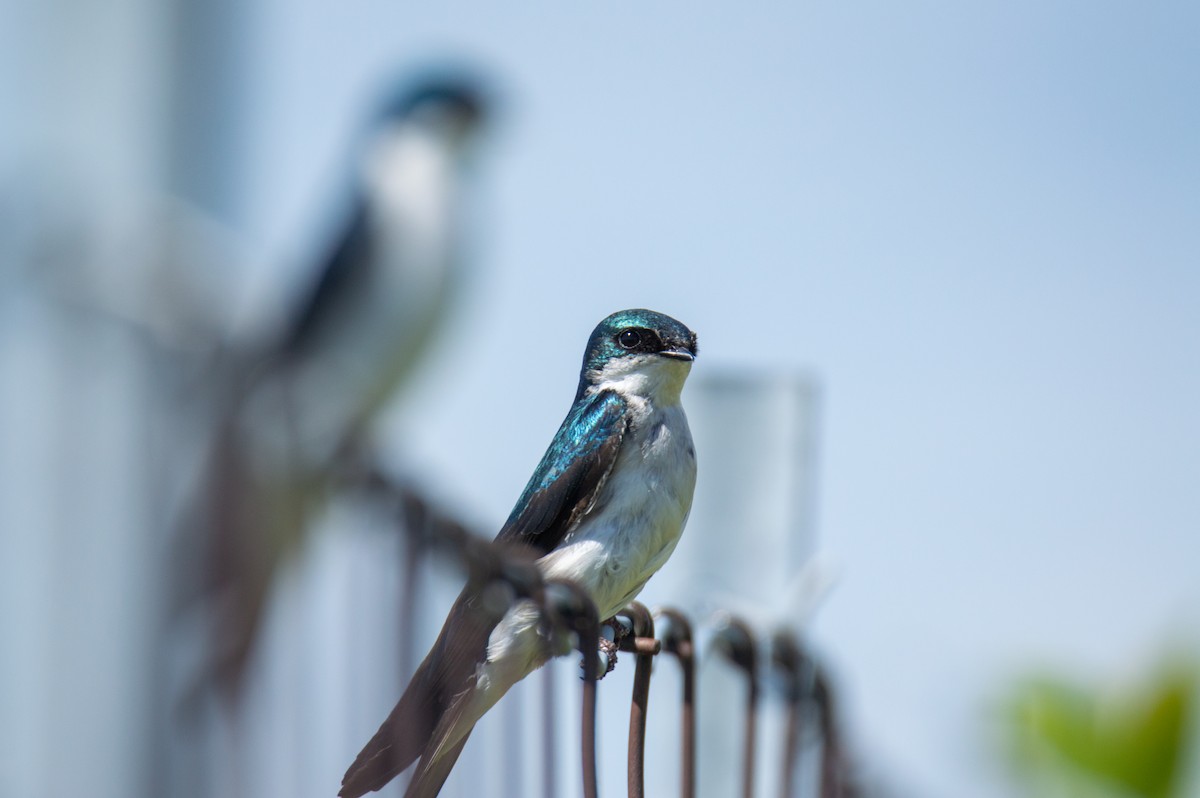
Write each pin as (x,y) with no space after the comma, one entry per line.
(678,354)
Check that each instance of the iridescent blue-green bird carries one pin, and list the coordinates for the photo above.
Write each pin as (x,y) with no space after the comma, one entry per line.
(604,508)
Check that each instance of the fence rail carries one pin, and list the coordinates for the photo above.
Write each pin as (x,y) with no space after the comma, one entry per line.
(803,685)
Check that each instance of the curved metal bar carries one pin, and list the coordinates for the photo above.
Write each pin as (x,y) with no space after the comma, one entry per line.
(735,640)
(513,564)
(677,641)
(833,760)
(569,605)
(796,669)
(643,644)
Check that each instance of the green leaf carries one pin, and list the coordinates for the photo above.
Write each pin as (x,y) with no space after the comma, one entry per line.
(1130,744)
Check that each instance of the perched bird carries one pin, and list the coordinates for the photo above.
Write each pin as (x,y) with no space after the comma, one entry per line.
(298,404)
(387,281)
(604,508)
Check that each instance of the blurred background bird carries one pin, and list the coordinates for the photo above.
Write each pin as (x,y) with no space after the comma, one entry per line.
(294,410)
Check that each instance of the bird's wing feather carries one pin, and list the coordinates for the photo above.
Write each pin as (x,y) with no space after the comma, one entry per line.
(563,489)
(566,482)
(350,254)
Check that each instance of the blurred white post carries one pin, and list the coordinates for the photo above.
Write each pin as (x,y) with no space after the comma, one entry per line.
(80,92)
(751,527)
(747,542)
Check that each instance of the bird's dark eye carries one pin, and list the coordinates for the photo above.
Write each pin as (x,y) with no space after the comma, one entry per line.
(629,339)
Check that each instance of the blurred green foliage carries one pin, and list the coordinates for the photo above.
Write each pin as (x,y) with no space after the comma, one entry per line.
(1070,740)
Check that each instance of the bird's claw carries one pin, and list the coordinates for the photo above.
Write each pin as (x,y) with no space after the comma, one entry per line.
(608,653)
(612,632)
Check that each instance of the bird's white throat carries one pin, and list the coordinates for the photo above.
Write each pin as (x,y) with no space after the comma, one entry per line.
(653,377)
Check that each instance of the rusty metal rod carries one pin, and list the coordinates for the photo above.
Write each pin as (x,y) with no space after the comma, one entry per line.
(751,739)
(791,751)
(833,763)
(677,641)
(588,644)
(794,668)
(484,561)
(735,640)
(643,644)
(569,607)
(549,733)
(590,784)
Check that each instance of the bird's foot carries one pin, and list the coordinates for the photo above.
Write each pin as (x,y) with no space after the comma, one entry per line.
(612,632)
(608,656)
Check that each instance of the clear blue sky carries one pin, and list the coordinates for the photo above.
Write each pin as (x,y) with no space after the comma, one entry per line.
(977,223)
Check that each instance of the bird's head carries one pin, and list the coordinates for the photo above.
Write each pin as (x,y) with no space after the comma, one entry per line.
(451,107)
(639,352)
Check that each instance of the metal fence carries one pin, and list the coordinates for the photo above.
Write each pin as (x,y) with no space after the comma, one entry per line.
(774,668)
(96,456)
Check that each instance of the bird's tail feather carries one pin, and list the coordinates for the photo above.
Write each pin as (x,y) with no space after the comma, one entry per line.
(399,741)
(432,773)
(435,713)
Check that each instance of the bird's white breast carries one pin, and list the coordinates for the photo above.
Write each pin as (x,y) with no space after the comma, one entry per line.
(642,507)
(629,533)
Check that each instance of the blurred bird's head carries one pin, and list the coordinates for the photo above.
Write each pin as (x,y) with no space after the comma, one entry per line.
(451,107)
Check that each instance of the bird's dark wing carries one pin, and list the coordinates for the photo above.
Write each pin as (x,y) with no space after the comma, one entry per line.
(565,484)
(563,488)
(350,254)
